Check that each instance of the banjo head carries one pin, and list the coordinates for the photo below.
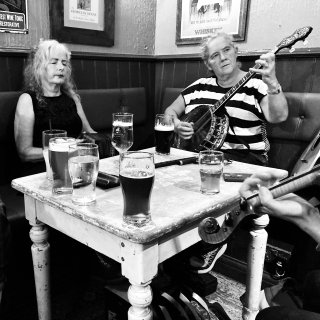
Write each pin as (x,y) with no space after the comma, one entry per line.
(209,134)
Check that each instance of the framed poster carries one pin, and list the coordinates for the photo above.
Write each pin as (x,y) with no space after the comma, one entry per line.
(89,22)
(14,16)
(196,19)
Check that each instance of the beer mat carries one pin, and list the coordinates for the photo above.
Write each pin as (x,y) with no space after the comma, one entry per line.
(111,165)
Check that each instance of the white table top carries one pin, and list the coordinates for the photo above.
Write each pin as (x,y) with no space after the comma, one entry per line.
(176,200)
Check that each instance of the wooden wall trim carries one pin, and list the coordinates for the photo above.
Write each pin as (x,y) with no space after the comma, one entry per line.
(14,52)
(298,53)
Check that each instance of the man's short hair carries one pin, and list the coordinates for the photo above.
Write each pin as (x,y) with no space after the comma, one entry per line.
(207,40)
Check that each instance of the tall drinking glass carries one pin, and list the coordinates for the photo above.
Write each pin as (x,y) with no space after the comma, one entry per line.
(83,168)
(122,131)
(163,130)
(136,180)
(46,136)
(58,157)
(211,169)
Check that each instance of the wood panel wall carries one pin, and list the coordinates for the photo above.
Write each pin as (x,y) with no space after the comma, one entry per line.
(296,72)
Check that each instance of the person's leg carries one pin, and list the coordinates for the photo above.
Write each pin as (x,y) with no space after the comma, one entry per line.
(286,313)
(311,291)
(203,256)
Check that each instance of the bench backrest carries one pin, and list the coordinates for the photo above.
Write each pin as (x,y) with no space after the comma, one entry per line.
(99,104)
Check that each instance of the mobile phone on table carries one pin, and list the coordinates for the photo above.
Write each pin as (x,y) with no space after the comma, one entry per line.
(235,176)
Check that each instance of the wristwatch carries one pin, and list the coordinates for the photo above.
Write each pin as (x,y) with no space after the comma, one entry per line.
(277,90)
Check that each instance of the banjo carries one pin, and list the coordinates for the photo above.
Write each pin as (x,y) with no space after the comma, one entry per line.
(209,229)
(210,130)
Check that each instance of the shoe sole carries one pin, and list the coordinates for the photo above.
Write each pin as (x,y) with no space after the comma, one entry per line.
(209,268)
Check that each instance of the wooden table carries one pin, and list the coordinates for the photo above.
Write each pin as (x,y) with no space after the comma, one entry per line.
(177,207)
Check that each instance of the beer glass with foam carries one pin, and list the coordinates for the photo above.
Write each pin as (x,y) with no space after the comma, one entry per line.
(122,131)
(46,136)
(83,168)
(58,158)
(163,130)
(136,180)
(211,169)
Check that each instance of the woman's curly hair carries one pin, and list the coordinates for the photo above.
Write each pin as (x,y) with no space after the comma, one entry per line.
(36,67)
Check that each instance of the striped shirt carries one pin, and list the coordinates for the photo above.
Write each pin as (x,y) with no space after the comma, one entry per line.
(247,123)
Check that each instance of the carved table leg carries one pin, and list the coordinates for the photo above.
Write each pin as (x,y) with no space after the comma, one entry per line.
(140,297)
(256,255)
(40,250)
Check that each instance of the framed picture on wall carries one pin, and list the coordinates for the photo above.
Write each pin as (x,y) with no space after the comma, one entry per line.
(89,22)
(197,19)
(14,16)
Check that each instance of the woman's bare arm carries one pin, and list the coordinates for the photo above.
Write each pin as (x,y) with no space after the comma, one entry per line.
(23,130)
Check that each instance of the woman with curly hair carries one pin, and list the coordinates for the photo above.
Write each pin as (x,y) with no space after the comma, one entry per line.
(48,102)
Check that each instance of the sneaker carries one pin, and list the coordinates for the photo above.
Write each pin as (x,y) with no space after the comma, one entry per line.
(204,263)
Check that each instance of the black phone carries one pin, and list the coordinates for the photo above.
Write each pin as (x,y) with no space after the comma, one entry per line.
(236,176)
(106,181)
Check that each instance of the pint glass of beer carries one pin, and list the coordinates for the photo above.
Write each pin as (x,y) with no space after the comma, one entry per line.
(58,158)
(83,168)
(46,136)
(136,180)
(211,169)
(163,130)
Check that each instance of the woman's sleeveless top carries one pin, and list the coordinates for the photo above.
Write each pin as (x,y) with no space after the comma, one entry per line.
(55,113)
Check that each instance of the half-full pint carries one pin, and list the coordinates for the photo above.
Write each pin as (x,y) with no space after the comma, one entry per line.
(136,179)
(163,130)
(211,169)
(58,157)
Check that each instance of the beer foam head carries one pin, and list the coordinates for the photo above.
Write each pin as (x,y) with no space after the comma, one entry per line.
(118,123)
(60,144)
(137,173)
(161,127)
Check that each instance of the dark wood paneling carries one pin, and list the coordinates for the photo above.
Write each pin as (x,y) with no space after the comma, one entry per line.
(192,72)
(124,74)
(135,72)
(101,74)
(296,72)
(11,71)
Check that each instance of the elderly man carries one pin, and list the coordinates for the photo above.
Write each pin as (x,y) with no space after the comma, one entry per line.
(259,101)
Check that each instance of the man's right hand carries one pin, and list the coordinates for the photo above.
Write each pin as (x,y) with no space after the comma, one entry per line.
(183,129)
(289,207)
